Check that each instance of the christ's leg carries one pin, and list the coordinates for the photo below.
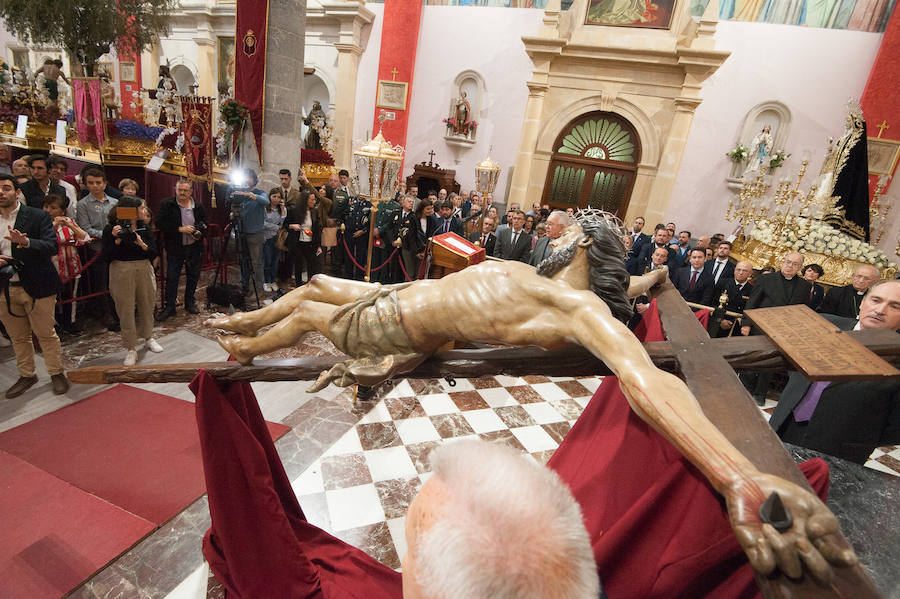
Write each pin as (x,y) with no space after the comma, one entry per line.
(321,288)
(308,316)
(641,284)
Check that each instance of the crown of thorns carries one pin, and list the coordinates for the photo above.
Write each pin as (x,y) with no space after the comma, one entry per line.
(595,217)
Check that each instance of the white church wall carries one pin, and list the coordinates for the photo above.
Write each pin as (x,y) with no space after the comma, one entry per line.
(451,40)
(367,80)
(813,71)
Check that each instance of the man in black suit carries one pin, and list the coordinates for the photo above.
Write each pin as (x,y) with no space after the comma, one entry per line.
(638,236)
(36,189)
(719,267)
(693,282)
(781,288)
(183,223)
(641,261)
(512,242)
(486,238)
(683,249)
(447,223)
(845,301)
(27,306)
(846,419)
(811,273)
(738,291)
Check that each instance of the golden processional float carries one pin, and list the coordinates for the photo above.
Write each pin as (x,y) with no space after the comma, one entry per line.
(810,222)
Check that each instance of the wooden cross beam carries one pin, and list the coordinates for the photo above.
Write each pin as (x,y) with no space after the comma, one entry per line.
(729,406)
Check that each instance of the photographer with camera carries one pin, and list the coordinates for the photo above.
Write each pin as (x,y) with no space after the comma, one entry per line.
(129,246)
(248,214)
(28,286)
(183,224)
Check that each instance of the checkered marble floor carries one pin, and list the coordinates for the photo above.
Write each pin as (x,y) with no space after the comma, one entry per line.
(360,488)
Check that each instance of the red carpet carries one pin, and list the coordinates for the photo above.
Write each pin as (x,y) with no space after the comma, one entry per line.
(133,448)
(54,535)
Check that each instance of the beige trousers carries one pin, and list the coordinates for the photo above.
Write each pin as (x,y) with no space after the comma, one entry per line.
(39,320)
(133,284)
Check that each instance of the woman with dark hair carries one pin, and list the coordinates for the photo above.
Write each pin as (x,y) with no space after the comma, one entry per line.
(275,215)
(424,225)
(130,248)
(304,239)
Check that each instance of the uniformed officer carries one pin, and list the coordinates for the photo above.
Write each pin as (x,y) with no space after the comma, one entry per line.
(356,233)
(382,248)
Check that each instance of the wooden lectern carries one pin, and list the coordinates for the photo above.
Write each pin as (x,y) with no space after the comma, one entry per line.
(447,253)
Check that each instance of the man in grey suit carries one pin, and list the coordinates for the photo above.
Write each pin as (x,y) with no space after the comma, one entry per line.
(556,224)
(513,243)
(846,419)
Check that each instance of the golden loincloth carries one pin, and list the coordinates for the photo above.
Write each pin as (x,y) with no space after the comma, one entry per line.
(370,330)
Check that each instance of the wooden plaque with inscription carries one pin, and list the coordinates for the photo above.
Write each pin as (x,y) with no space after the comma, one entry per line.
(817,348)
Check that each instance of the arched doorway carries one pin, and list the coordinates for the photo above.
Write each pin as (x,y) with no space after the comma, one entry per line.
(594,164)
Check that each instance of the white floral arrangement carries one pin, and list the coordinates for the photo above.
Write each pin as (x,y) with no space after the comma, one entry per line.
(739,153)
(809,235)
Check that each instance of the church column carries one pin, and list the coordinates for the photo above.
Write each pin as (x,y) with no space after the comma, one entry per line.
(283,88)
(353,17)
(670,159)
(207,68)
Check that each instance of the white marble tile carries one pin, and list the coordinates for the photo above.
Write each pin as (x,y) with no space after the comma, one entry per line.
(534,438)
(416,430)
(348,443)
(557,379)
(880,467)
(194,586)
(377,414)
(461,385)
(550,391)
(484,421)
(497,397)
(457,439)
(390,462)
(437,404)
(354,506)
(310,481)
(592,383)
(397,528)
(543,413)
(583,401)
(401,389)
(509,381)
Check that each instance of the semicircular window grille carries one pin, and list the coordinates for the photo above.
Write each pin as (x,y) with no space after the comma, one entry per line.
(599,138)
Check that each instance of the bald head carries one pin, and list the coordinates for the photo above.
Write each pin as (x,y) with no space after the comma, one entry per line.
(791,264)
(742,271)
(864,277)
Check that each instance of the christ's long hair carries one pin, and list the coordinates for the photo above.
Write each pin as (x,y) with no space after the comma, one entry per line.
(608,277)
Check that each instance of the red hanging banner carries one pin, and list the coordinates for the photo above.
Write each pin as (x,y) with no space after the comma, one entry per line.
(89,122)
(250,61)
(198,138)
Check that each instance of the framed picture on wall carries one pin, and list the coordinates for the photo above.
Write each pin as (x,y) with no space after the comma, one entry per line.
(391,95)
(883,154)
(127,72)
(226,63)
(630,13)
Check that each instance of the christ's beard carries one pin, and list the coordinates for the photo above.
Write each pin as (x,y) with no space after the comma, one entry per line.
(558,260)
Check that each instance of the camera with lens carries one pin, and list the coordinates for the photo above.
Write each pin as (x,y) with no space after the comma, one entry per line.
(200,230)
(9,270)
(124,216)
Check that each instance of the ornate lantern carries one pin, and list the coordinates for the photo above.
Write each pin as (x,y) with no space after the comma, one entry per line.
(377,164)
(487,173)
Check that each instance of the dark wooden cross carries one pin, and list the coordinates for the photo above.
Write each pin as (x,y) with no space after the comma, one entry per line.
(707,365)
(430,157)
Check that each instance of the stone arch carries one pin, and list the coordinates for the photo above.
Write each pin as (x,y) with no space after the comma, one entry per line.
(184,72)
(326,77)
(771,112)
(646,131)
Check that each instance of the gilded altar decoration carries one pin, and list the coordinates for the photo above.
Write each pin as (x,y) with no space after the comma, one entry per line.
(250,43)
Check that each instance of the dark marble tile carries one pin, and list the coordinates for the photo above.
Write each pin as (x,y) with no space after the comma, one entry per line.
(515,416)
(525,394)
(375,540)
(503,437)
(396,494)
(574,388)
(214,588)
(378,435)
(342,471)
(557,430)
(485,382)
(468,400)
(569,408)
(401,408)
(889,461)
(451,425)
(534,379)
(543,456)
(419,452)
(426,386)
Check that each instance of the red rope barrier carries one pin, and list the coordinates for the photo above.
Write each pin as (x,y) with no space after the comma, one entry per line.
(363,268)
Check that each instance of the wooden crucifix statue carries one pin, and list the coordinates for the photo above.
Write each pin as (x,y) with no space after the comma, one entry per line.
(580,294)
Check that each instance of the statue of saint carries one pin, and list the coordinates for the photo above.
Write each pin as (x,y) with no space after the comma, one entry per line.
(760,148)
(108,98)
(52,70)
(315,120)
(461,115)
(579,294)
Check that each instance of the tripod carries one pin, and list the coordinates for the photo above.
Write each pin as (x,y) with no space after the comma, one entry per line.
(242,253)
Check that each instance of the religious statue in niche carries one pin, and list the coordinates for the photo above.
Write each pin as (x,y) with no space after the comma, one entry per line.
(760,149)
(315,120)
(460,122)
(108,98)
(580,293)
